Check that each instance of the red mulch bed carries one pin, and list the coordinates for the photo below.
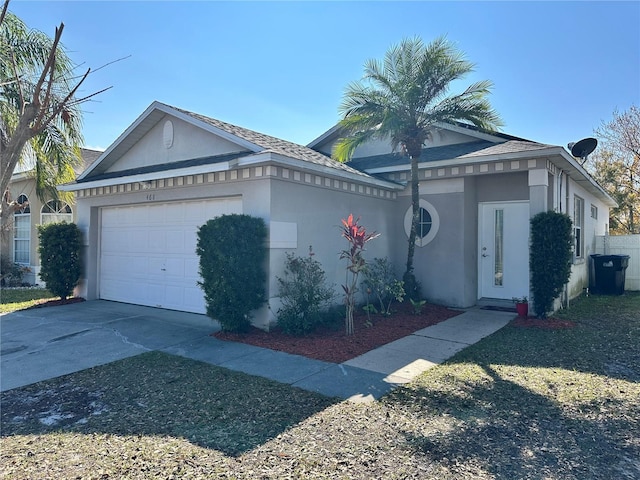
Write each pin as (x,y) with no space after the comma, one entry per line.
(336,347)
(546,323)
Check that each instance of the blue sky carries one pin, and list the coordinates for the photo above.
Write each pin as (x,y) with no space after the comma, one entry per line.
(559,68)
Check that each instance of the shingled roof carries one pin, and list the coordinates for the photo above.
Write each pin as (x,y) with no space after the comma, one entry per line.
(164,167)
(458,151)
(270,144)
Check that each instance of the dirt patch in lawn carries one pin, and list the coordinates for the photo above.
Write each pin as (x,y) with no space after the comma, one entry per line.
(546,323)
(332,345)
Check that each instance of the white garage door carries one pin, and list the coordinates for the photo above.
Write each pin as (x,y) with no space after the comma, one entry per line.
(148,252)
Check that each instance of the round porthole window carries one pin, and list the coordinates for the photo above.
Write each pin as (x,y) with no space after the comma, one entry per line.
(428,224)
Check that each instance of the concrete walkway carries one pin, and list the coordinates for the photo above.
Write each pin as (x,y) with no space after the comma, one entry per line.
(44,343)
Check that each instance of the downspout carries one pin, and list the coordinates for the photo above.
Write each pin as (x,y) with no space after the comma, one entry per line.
(566,285)
(558,198)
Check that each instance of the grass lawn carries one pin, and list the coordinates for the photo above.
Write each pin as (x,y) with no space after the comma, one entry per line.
(12,299)
(523,403)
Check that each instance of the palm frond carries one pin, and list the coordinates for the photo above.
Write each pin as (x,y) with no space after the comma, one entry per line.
(403,96)
(344,148)
(56,157)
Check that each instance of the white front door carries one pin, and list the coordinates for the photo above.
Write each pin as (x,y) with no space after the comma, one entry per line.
(148,252)
(503,259)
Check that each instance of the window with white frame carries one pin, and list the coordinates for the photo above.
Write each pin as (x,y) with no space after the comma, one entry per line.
(22,232)
(578,222)
(428,224)
(55,211)
(594,212)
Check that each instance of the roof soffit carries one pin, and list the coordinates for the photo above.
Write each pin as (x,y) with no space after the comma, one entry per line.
(556,155)
(227,163)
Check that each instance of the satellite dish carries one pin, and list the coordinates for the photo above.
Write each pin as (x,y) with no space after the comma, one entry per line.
(583,148)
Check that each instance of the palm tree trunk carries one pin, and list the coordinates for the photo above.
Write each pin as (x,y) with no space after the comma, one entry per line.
(415,217)
(408,277)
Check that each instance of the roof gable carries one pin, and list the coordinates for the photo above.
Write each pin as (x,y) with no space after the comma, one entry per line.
(164,135)
(443,134)
(139,147)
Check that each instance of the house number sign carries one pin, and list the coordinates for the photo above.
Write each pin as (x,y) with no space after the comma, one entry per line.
(151,196)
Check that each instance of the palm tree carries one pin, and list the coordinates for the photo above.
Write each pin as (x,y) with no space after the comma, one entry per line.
(40,119)
(401,99)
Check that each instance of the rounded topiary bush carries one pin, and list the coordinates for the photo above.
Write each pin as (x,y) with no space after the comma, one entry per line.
(59,249)
(232,253)
(549,259)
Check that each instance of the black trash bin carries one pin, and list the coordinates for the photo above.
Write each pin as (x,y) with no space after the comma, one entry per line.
(609,273)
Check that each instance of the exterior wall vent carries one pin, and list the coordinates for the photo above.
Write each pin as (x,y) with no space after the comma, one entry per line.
(167,134)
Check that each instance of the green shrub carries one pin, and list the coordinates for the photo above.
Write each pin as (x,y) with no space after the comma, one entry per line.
(232,254)
(60,265)
(550,258)
(381,281)
(10,272)
(303,293)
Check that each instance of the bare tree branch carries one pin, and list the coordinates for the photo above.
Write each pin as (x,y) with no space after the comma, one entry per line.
(4,11)
(64,103)
(46,71)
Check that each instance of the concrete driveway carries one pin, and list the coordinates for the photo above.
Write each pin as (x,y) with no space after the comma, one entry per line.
(43,343)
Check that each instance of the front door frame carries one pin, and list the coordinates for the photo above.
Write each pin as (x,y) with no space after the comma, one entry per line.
(516,226)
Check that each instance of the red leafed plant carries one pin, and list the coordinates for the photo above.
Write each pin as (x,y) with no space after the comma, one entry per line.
(357,237)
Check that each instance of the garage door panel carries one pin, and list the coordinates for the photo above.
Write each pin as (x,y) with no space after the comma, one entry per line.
(175,267)
(157,212)
(153,294)
(113,240)
(121,239)
(156,268)
(177,210)
(137,215)
(193,296)
(112,217)
(120,265)
(175,241)
(148,252)
(174,296)
(117,289)
(156,240)
(192,267)
(191,241)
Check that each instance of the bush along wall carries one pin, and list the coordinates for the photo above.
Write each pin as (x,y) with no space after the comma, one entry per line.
(550,258)
(232,251)
(59,249)
(304,294)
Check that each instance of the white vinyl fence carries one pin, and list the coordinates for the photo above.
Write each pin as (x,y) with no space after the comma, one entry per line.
(623,245)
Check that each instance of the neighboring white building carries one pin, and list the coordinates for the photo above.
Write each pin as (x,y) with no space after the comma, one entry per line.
(141,202)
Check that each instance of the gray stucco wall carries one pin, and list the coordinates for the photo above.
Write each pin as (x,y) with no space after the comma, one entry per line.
(502,187)
(307,211)
(447,267)
(317,213)
(440,266)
